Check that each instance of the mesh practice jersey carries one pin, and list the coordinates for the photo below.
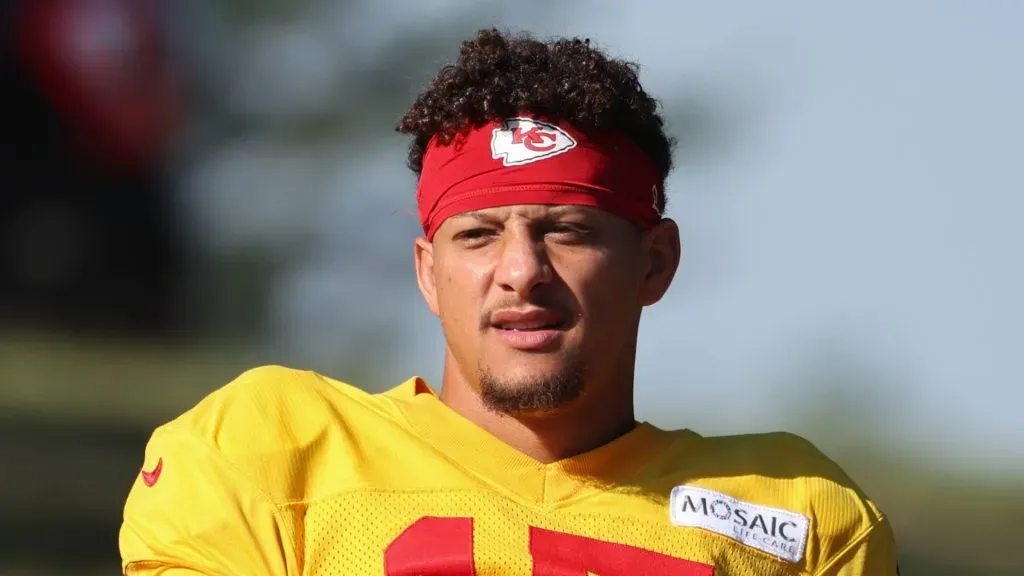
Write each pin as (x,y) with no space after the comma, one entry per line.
(285,472)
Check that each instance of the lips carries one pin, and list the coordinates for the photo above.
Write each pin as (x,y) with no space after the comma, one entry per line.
(537,330)
(529,320)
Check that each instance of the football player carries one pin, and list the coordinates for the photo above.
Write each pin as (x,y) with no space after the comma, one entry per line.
(541,168)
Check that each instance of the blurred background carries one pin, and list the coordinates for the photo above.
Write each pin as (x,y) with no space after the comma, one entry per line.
(190,188)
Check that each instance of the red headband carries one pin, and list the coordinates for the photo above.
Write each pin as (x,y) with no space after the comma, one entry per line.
(532,161)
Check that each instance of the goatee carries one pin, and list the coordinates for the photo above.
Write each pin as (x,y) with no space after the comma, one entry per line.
(534,395)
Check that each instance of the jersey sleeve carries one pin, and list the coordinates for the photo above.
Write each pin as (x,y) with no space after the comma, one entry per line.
(873,554)
(190,512)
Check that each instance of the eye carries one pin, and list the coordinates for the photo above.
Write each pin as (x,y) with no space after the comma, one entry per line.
(571,230)
(474,235)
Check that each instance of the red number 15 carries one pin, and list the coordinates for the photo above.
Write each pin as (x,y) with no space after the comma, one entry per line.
(444,547)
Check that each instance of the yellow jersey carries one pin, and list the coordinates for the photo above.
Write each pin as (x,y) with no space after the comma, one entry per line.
(284,472)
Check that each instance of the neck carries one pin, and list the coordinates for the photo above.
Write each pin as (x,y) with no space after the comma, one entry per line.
(601,414)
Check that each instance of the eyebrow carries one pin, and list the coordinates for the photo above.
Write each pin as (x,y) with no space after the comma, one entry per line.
(566,209)
(553,212)
(475,215)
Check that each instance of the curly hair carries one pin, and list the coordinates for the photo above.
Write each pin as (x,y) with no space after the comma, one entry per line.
(498,75)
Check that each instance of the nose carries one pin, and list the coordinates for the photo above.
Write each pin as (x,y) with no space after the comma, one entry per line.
(523,263)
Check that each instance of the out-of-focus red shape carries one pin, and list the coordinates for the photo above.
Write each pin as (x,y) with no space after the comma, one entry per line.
(104,66)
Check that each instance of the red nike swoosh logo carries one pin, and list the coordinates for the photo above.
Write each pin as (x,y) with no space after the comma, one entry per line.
(150,478)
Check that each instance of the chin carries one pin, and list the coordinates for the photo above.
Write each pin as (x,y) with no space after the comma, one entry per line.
(537,388)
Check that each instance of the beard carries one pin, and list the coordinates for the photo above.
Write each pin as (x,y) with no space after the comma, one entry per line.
(534,395)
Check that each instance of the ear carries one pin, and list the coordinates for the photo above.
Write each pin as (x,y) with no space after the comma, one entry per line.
(424,257)
(663,252)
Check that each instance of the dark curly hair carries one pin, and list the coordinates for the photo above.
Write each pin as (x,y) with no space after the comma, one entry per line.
(498,75)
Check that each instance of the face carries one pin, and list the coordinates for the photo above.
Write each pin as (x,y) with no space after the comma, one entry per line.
(535,300)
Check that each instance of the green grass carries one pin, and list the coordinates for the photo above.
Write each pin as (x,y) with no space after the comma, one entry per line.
(133,382)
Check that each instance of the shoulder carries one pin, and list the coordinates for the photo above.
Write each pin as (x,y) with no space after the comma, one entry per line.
(778,454)
(263,405)
(273,425)
(785,476)
(776,461)
(264,393)
(209,496)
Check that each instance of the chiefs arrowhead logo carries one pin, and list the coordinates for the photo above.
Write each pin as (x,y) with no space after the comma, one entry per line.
(523,140)
(150,478)
(656,195)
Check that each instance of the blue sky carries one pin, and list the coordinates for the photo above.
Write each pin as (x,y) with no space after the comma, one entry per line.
(858,208)
(865,208)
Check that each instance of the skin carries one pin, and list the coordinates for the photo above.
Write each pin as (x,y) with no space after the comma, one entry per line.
(582,263)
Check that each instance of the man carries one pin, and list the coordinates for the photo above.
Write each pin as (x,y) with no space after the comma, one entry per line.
(541,171)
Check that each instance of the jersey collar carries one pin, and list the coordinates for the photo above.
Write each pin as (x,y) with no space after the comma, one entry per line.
(506,469)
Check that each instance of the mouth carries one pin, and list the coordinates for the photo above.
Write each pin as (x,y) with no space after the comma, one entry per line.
(530,320)
(534,330)
(531,326)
